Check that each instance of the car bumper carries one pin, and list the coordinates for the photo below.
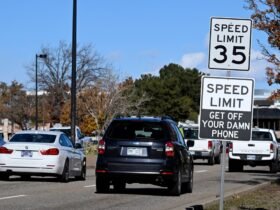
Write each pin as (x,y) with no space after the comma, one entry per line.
(201,154)
(17,166)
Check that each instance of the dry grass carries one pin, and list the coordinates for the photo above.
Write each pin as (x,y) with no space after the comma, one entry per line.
(263,198)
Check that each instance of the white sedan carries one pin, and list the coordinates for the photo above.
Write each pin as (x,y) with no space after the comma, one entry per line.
(42,153)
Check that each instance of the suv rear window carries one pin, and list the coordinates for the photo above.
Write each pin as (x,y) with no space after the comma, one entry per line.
(35,138)
(136,130)
(261,136)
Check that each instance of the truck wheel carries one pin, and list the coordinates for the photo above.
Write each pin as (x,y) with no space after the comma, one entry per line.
(211,160)
(273,167)
(218,159)
(234,166)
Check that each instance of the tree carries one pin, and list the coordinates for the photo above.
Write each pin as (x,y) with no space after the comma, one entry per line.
(266,18)
(175,92)
(16,105)
(55,76)
(109,98)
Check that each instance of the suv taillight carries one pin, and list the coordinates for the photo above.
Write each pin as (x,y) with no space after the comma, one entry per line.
(169,149)
(101,147)
(271,148)
(4,150)
(210,144)
(51,151)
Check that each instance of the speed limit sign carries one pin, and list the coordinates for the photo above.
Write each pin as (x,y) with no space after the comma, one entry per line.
(230,44)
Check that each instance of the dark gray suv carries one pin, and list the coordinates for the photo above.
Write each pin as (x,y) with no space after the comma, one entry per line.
(144,150)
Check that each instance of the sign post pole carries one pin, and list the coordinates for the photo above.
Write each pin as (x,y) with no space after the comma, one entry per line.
(226,104)
(223,163)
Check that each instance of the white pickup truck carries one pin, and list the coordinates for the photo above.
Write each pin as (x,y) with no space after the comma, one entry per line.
(262,149)
(203,148)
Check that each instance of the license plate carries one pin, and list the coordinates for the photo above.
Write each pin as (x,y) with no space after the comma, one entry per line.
(133,151)
(251,157)
(26,153)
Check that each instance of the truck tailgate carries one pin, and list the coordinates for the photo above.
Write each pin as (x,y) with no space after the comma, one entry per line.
(252,147)
(199,145)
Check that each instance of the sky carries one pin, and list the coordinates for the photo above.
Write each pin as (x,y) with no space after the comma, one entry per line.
(136,36)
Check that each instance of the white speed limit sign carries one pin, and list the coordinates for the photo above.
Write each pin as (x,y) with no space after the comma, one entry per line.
(230,44)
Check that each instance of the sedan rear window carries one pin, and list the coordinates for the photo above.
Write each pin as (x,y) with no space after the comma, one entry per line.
(35,138)
(136,130)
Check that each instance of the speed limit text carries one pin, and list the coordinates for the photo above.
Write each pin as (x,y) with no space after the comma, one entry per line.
(230,28)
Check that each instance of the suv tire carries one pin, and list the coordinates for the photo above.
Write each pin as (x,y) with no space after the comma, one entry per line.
(188,186)
(102,184)
(119,186)
(175,186)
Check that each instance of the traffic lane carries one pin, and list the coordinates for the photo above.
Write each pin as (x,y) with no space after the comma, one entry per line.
(47,193)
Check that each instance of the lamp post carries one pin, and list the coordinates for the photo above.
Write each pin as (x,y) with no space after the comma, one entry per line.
(43,56)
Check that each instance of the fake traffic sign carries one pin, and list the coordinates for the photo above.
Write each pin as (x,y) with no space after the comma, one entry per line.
(226,108)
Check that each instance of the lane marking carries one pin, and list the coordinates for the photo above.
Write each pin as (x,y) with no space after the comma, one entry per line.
(201,171)
(10,197)
(90,186)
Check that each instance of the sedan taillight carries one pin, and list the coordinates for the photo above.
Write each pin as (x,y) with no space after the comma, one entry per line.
(4,150)
(101,147)
(169,149)
(52,151)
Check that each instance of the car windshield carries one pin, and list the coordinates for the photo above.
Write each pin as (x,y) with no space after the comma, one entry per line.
(191,133)
(136,130)
(33,138)
(261,136)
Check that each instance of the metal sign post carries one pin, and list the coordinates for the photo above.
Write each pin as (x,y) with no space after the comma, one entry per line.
(226,103)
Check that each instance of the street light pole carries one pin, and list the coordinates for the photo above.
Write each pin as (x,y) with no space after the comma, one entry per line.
(73,74)
(44,56)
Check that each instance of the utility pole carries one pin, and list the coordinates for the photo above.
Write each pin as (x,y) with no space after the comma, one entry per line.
(73,78)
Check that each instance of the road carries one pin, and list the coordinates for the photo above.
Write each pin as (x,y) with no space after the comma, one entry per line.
(48,193)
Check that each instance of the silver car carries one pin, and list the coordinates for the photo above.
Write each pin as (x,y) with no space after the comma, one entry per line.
(42,153)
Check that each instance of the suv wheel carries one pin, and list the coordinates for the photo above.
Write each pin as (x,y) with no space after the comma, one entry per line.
(4,176)
(119,186)
(189,184)
(102,184)
(175,186)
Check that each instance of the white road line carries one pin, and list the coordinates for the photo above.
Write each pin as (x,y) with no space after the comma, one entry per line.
(10,197)
(90,186)
(201,171)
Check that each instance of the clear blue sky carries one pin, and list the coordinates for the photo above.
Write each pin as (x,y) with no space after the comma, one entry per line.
(136,36)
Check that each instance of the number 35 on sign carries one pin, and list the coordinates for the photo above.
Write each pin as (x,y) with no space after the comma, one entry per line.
(230,44)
